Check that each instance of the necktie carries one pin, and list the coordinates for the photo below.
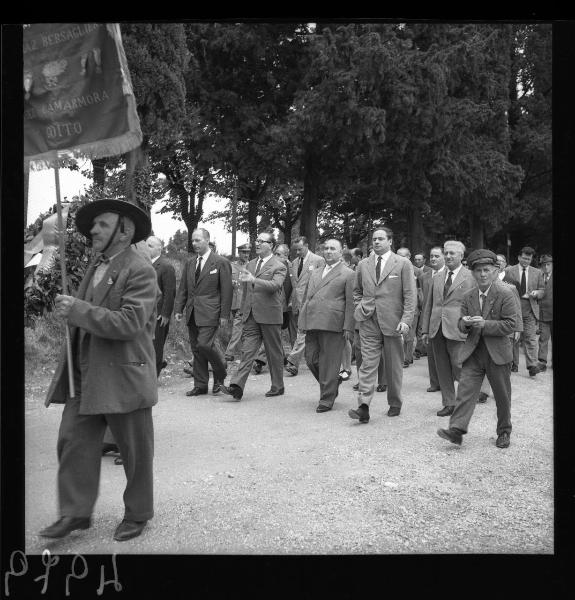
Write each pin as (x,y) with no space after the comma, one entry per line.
(447,284)
(198,268)
(259,266)
(481,301)
(326,271)
(523,286)
(300,267)
(378,268)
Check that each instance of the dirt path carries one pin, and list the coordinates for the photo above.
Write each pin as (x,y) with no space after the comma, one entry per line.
(270,476)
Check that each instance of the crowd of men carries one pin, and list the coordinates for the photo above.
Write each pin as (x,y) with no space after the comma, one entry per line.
(382,311)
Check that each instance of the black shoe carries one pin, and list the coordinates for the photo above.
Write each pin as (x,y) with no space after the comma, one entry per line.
(65,525)
(503,440)
(344,375)
(285,361)
(291,369)
(381,388)
(361,413)
(514,368)
(110,449)
(433,389)
(533,371)
(482,398)
(273,392)
(542,368)
(356,387)
(127,530)
(258,366)
(119,461)
(196,391)
(217,387)
(232,390)
(450,434)
(322,408)
(405,364)
(393,411)
(163,365)
(446,411)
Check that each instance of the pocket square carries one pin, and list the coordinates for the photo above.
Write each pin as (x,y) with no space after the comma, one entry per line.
(213,271)
(109,282)
(392,276)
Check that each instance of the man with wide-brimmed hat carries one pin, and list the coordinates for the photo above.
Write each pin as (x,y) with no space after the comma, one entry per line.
(489,314)
(112,319)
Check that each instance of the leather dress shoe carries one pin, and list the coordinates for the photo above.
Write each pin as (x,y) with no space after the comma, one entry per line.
(433,389)
(503,440)
(127,530)
(533,371)
(258,366)
(291,369)
(542,368)
(65,525)
(196,391)
(361,413)
(356,387)
(514,368)
(393,411)
(482,399)
(322,408)
(446,411)
(119,461)
(344,374)
(109,448)
(232,390)
(451,435)
(405,364)
(381,388)
(273,392)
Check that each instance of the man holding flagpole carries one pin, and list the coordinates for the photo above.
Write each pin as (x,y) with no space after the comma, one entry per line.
(112,320)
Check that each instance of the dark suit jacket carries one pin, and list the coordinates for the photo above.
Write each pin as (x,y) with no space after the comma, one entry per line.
(500,314)
(263,297)
(211,298)
(119,375)
(328,302)
(166,275)
(534,282)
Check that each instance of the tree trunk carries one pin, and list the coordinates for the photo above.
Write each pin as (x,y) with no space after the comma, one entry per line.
(310,206)
(253,223)
(476,231)
(99,170)
(416,236)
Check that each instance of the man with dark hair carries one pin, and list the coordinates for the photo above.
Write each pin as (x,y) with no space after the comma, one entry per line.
(205,293)
(326,317)
(419,263)
(488,316)
(112,319)
(262,318)
(439,321)
(545,311)
(166,275)
(529,283)
(301,269)
(384,296)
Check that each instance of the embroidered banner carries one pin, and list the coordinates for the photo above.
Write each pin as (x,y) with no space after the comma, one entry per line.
(78,97)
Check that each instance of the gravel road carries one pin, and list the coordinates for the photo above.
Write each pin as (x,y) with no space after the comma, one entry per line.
(271,476)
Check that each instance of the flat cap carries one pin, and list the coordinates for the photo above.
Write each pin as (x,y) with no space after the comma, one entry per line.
(545,258)
(481,257)
(244,248)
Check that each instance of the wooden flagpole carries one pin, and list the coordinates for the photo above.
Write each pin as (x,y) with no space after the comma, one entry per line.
(61,239)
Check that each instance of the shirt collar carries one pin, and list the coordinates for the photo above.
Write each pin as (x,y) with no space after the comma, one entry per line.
(438,271)
(265,260)
(485,292)
(455,271)
(205,256)
(384,256)
(155,258)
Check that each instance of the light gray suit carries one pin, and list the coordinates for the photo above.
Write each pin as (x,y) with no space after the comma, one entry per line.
(379,308)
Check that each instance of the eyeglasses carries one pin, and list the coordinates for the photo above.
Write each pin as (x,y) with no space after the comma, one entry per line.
(259,240)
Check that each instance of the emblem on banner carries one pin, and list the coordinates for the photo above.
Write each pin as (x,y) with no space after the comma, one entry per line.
(52,71)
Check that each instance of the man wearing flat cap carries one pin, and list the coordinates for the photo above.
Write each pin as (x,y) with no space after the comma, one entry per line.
(112,320)
(488,317)
(545,311)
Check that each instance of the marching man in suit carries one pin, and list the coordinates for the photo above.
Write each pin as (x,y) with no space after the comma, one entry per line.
(112,319)
(166,275)
(440,318)
(545,311)
(262,317)
(384,295)
(206,294)
(488,316)
(301,270)
(529,283)
(326,317)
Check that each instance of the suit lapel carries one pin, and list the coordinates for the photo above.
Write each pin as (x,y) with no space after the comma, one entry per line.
(109,278)
(387,268)
(267,265)
(206,268)
(334,272)
(488,302)
(86,282)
